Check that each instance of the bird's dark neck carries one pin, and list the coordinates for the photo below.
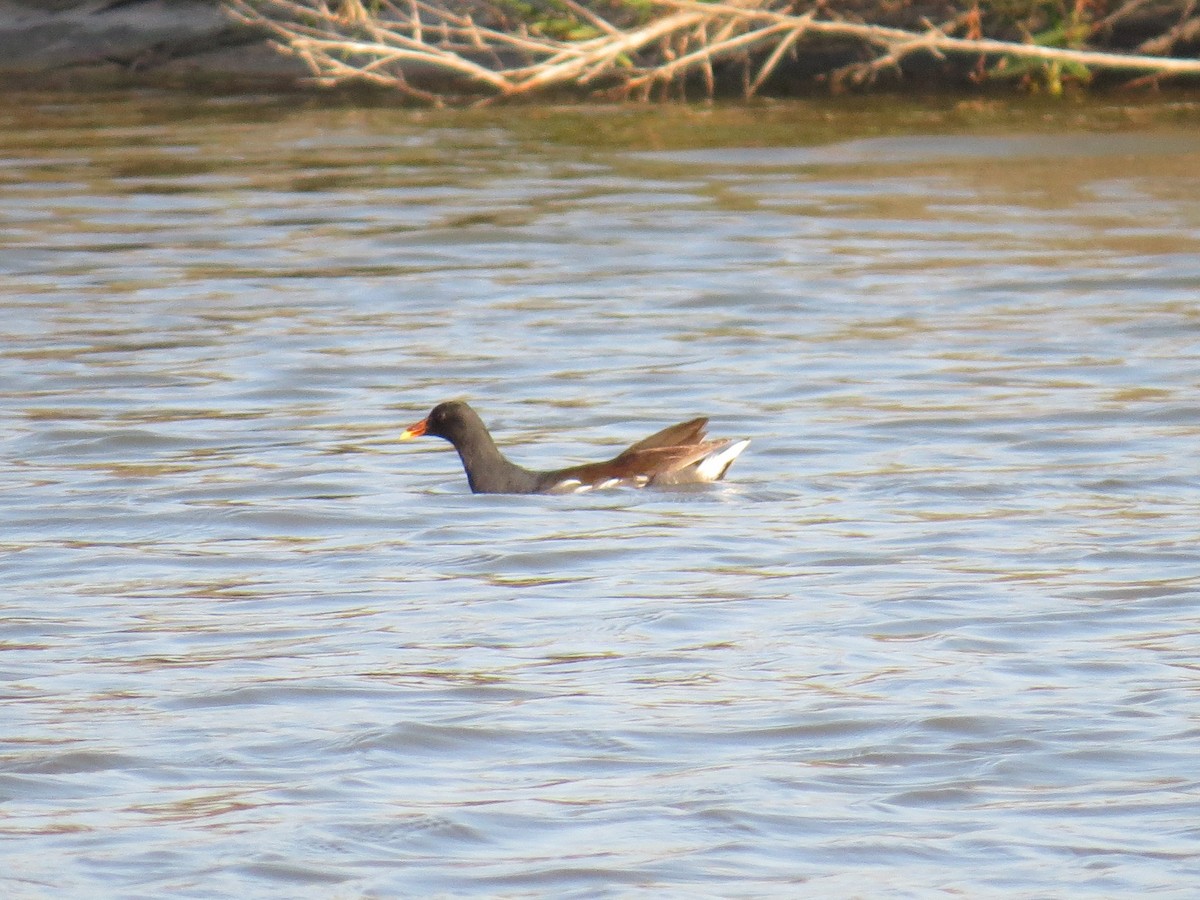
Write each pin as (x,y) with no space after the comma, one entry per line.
(488,471)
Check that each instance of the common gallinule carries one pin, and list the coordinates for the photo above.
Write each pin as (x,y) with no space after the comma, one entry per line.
(675,455)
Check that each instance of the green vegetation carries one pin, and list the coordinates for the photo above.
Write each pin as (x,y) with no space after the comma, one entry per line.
(1047,23)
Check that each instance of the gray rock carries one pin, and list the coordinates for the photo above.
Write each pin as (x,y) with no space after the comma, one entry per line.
(132,35)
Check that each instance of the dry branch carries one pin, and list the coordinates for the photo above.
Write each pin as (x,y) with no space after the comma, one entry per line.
(391,43)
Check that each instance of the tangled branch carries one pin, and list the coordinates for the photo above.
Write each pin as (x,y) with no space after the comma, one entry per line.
(420,46)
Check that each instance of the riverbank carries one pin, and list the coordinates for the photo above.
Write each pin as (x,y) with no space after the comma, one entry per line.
(468,50)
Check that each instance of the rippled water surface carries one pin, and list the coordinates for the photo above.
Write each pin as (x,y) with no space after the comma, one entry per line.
(935,636)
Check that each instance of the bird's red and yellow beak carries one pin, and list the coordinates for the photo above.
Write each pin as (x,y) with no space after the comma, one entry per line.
(416,429)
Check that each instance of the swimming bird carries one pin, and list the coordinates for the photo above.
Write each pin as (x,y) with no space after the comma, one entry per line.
(676,455)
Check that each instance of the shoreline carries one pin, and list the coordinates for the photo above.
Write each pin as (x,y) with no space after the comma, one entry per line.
(200,45)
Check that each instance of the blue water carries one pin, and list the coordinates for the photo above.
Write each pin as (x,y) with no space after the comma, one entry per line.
(935,635)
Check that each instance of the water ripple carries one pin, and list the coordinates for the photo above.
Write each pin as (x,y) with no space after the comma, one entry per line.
(937,633)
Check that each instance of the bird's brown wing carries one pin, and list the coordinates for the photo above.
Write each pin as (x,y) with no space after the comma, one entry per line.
(681,435)
(634,466)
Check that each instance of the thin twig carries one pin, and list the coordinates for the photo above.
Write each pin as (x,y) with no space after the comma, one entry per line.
(772,61)
(746,39)
(584,13)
